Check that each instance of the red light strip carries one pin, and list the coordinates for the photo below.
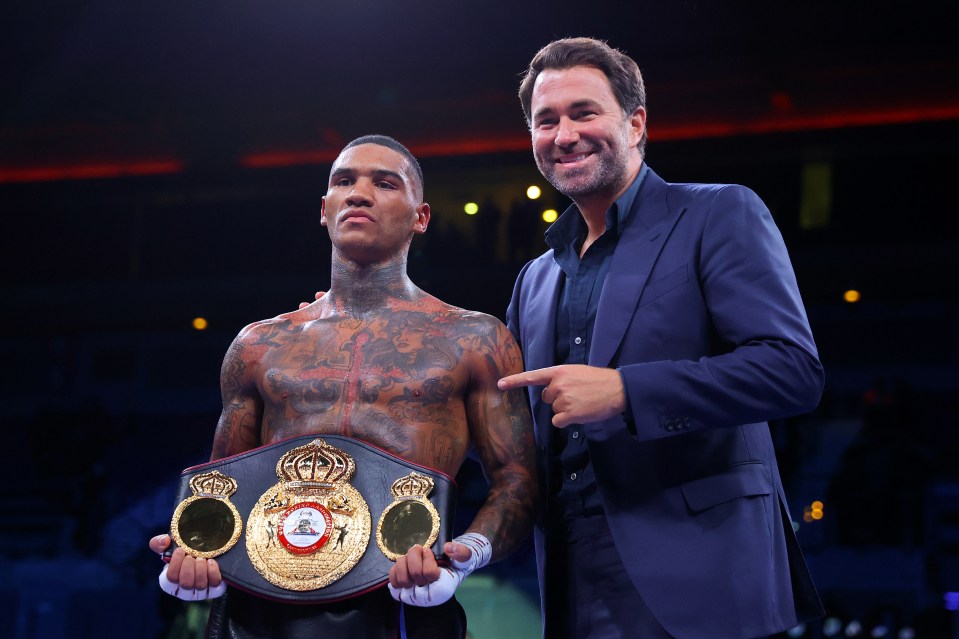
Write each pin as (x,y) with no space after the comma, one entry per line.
(787,124)
(442,148)
(277,159)
(483,145)
(88,171)
(665,132)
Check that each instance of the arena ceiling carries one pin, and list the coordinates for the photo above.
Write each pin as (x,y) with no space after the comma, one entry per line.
(106,88)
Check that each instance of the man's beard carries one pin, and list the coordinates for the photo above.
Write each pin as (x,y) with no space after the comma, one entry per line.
(607,177)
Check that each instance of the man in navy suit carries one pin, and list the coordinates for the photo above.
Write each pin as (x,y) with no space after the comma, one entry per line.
(660,332)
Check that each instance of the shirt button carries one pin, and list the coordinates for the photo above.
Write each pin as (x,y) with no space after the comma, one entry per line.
(578,340)
(573,476)
(575,434)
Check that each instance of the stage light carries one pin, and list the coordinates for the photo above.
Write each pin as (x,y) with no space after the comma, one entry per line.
(533,192)
(852,296)
(796,631)
(879,632)
(550,215)
(853,629)
(471,208)
(906,633)
(831,627)
(200,323)
(951,600)
(813,512)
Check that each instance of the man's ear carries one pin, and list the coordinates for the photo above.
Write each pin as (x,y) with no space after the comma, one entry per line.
(637,123)
(323,211)
(422,218)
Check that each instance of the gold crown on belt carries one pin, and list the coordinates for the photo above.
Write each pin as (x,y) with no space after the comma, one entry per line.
(412,485)
(316,464)
(213,484)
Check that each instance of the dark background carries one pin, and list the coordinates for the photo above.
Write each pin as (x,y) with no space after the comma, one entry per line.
(163,161)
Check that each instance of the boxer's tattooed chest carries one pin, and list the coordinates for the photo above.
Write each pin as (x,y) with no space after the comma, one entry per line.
(369,379)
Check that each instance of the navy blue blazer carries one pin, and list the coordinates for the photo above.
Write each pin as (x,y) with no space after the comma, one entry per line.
(701,313)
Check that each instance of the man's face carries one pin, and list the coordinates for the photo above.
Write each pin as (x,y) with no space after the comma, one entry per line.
(582,141)
(372,207)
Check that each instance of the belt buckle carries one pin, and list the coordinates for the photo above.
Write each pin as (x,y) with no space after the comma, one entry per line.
(312,527)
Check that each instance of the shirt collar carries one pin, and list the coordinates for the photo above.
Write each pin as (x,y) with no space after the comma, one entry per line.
(571,226)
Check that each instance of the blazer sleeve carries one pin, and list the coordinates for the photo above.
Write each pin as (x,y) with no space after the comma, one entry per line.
(762,363)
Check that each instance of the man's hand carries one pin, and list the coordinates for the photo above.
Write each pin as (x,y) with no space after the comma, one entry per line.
(317,295)
(418,567)
(187,577)
(418,580)
(578,394)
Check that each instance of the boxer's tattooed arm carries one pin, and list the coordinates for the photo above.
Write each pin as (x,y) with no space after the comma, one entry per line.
(238,428)
(502,433)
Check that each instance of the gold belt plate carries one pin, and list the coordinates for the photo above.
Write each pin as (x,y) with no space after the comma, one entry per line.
(312,527)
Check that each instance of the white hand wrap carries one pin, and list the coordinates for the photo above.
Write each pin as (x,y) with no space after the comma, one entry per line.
(441,590)
(191,594)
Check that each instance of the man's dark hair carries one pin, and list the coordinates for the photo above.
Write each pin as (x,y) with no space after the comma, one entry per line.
(621,71)
(391,143)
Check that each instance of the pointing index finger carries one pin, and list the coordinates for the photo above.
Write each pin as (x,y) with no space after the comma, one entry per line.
(538,377)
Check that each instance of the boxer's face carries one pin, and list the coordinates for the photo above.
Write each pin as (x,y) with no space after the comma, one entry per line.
(371,208)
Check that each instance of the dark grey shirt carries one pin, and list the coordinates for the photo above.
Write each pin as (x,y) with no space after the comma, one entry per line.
(577,494)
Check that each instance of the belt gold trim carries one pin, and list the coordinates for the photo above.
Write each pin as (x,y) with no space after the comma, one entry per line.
(310,503)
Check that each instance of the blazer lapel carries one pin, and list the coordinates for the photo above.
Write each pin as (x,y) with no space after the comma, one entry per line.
(636,252)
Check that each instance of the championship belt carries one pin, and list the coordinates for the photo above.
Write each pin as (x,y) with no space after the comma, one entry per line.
(326,516)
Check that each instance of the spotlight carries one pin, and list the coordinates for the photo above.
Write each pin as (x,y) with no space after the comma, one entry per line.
(906,633)
(879,632)
(200,323)
(471,208)
(854,628)
(796,631)
(831,627)
(533,192)
(550,215)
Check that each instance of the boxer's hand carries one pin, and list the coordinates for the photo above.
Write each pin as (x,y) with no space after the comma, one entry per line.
(417,567)
(457,552)
(317,295)
(418,580)
(187,577)
(160,543)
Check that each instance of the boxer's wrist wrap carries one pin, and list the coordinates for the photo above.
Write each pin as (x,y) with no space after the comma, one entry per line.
(441,590)
(189,594)
(481,551)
